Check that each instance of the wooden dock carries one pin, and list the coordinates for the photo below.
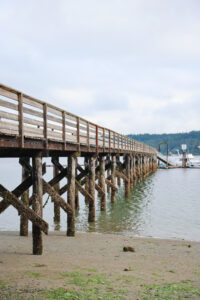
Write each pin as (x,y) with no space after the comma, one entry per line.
(31,129)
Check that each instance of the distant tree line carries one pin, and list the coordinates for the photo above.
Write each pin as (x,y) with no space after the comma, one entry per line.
(174,140)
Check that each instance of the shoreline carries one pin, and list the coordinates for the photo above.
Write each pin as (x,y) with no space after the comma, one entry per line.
(91,256)
(63,232)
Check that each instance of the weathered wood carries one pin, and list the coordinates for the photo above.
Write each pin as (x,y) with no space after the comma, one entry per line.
(18,191)
(89,134)
(76,188)
(102,182)
(121,175)
(127,171)
(71,195)
(63,130)
(56,198)
(86,162)
(113,179)
(83,191)
(108,174)
(99,189)
(107,181)
(45,132)
(56,205)
(37,203)
(91,216)
(25,200)
(22,209)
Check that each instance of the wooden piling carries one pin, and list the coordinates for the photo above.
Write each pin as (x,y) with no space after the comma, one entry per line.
(131,170)
(86,163)
(134,171)
(71,195)
(56,206)
(113,179)
(108,173)
(92,161)
(77,207)
(102,182)
(25,200)
(118,177)
(127,172)
(37,203)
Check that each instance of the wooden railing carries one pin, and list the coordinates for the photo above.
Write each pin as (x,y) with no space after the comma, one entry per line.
(24,116)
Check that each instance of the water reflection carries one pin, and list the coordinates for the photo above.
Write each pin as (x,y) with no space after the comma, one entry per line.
(165,204)
(125,215)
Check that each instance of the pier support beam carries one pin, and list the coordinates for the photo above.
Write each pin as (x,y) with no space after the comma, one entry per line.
(131,170)
(102,182)
(108,173)
(92,161)
(86,163)
(71,195)
(76,188)
(37,202)
(127,172)
(56,206)
(118,177)
(25,200)
(113,179)
(134,171)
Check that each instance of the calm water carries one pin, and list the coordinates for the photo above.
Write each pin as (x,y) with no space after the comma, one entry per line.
(165,204)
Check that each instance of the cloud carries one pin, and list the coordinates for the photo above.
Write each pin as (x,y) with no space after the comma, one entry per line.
(129,65)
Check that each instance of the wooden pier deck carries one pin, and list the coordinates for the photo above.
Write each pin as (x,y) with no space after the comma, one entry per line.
(31,129)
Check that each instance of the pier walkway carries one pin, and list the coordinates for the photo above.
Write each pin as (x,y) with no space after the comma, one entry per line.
(31,130)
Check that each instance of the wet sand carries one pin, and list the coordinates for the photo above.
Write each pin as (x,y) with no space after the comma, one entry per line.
(154,261)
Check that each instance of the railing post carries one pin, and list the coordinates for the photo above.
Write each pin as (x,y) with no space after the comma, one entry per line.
(63,129)
(104,139)
(118,142)
(20,120)
(97,139)
(109,139)
(45,124)
(88,136)
(78,132)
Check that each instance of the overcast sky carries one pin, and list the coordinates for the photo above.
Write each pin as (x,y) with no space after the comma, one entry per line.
(131,65)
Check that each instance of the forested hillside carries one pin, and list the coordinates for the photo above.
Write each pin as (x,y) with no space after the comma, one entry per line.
(175,140)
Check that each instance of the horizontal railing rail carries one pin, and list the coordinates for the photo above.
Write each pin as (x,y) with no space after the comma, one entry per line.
(24,116)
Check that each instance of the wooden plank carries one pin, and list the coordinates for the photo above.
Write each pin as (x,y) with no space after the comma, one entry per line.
(8,116)
(9,105)
(27,100)
(30,111)
(8,94)
(9,125)
(54,111)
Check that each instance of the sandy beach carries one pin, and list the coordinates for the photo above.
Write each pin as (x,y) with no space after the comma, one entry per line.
(95,261)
